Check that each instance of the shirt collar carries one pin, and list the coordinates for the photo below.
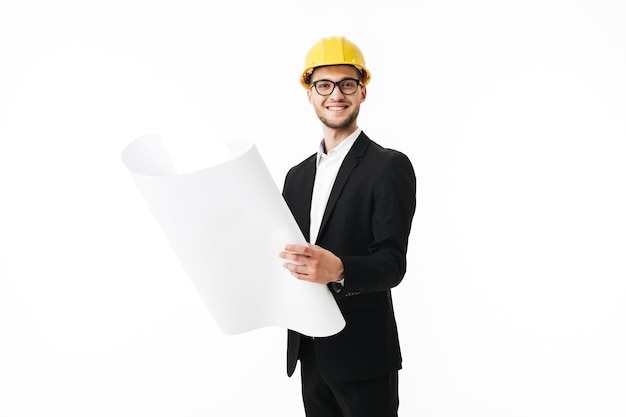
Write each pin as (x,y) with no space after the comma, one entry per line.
(340,150)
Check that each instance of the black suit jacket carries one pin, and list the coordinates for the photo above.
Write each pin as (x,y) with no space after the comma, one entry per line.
(366,224)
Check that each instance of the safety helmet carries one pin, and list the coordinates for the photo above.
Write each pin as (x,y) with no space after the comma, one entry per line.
(333,51)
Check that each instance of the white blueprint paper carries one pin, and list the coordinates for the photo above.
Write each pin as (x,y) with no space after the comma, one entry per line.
(227,223)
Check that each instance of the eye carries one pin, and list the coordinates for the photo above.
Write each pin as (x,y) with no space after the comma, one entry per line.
(323,85)
(348,84)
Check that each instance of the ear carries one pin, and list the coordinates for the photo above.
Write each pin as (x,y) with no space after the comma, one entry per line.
(363,93)
(309,95)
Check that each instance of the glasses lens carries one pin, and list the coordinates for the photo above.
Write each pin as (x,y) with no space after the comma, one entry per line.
(348,86)
(324,87)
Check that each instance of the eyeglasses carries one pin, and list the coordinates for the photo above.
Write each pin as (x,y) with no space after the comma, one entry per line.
(346,86)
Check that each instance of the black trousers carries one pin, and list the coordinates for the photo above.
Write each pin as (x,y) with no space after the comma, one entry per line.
(377,397)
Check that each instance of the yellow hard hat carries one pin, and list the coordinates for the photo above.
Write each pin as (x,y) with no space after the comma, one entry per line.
(333,51)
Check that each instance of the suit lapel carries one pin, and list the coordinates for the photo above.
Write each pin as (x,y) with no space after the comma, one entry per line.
(303,215)
(349,163)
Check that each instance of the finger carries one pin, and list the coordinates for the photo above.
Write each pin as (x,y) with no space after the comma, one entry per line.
(298,275)
(300,249)
(287,255)
(301,276)
(293,258)
(297,268)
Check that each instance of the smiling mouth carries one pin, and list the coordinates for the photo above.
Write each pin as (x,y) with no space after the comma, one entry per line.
(336,108)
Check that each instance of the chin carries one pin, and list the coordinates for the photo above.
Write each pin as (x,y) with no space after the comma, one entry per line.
(338,123)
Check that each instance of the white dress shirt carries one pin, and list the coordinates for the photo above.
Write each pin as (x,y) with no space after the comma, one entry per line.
(327,168)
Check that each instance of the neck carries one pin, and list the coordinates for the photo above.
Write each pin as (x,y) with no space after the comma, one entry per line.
(333,137)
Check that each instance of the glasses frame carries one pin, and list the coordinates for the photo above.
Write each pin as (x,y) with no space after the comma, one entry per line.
(335,85)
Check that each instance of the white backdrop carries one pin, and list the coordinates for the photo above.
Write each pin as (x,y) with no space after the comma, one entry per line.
(514,303)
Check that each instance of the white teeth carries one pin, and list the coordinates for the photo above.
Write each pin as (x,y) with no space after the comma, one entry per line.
(335,108)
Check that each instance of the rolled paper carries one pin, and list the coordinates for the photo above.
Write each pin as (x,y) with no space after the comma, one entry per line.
(227,224)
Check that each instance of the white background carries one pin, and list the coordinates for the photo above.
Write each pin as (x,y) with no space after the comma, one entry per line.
(513,113)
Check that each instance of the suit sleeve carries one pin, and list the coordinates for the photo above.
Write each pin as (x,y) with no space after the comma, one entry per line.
(393,207)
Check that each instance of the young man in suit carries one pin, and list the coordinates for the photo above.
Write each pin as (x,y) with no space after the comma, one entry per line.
(354,201)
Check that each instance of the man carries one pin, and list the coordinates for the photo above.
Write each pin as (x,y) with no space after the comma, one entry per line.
(354,201)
